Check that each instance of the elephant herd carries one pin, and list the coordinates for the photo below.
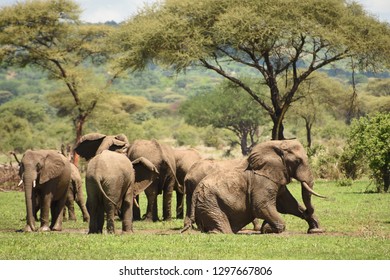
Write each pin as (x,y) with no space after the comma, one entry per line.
(221,196)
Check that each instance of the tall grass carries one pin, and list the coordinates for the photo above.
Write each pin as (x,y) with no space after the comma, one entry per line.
(357,226)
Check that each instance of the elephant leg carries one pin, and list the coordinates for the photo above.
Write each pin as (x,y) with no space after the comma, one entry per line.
(187,219)
(96,220)
(45,212)
(287,204)
(256,225)
(127,213)
(151,210)
(167,205)
(273,222)
(179,205)
(110,210)
(81,203)
(57,216)
(70,206)
(212,219)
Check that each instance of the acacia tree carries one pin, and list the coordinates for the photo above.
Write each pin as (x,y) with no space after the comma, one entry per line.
(225,107)
(317,96)
(48,35)
(278,40)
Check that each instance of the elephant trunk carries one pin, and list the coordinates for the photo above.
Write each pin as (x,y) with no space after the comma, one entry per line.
(29,184)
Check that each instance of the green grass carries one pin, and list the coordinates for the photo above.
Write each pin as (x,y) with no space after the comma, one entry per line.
(357,226)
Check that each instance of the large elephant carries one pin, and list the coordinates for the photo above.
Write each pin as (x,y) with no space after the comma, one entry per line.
(225,201)
(112,182)
(45,175)
(75,193)
(162,157)
(184,158)
(197,172)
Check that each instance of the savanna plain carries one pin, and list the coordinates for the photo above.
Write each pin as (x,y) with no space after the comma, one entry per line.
(357,225)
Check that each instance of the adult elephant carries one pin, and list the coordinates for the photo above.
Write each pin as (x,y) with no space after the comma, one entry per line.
(112,179)
(200,170)
(184,158)
(45,175)
(75,193)
(224,202)
(112,182)
(162,157)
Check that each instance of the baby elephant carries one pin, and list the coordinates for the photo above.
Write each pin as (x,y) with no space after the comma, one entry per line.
(111,184)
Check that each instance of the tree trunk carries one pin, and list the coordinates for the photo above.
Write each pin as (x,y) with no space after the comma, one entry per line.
(278,128)
(308,132)
(244,143)
(79,124)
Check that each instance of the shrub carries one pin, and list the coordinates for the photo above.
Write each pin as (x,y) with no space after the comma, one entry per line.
(369,142)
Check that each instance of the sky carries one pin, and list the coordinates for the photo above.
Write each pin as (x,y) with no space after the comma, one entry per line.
(118,10)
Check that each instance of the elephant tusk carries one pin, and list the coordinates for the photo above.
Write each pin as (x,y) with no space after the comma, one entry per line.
(306,186)
(136,203)
(20,183)
(34,183)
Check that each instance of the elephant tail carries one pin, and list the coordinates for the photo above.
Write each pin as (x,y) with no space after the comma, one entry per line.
(108,198)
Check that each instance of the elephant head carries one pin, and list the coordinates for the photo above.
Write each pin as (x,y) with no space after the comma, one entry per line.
(280,161)
(94,143)
(37,168)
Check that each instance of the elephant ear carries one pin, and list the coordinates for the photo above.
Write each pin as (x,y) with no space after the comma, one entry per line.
(89,145)
(267,159)
(52,167)
(119,143)
(145,174)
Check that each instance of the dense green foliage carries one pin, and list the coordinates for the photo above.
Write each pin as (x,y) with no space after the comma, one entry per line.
(369,143)
(276,40)
(356,223)
(49,36)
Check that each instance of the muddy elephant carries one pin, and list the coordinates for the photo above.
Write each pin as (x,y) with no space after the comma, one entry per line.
(75,193)
(197,172)
(112,182)
(162,157)
(224,202)
(184,158)
(45,175)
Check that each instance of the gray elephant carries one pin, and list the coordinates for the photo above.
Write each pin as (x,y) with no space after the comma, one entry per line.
(94,143)
(75,193)
(184,158)
(200,170)
(162,157)
(226,201)
(45,175)
(112,184)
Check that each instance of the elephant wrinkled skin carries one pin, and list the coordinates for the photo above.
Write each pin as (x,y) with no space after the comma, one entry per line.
(162,157)
(45,175)
(225,201)
(112,180)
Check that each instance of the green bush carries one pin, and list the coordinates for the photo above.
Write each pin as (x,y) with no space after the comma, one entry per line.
(369,143)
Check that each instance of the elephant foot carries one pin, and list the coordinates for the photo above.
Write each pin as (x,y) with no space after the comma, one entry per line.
(27,228)
(44,229)
(127,232)
(266,228)
(315,230)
